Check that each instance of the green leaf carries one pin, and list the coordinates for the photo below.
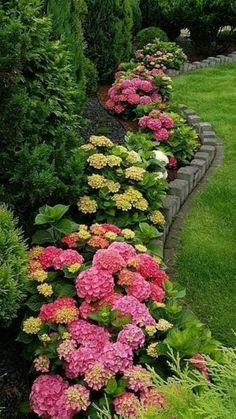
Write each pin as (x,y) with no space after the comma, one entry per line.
(66,226)
(64,290)
(49,215)
(34,302)
(111,387)
(42,237)
(24,338)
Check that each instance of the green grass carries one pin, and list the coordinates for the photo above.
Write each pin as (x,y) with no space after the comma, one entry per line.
(206,256)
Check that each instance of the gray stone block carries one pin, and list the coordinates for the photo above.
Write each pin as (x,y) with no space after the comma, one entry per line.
(188,174)
(211,150)
(210,141)
(203,156)
(193,119)
(205,126)
(182,107)
(170,205)
(188,112)
(180,188)
(206,135)
(201,165)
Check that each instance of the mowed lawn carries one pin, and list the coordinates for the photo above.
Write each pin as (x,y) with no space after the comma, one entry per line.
(206,256)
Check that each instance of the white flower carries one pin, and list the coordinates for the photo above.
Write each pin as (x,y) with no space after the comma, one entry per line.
(160,175)
(160,156)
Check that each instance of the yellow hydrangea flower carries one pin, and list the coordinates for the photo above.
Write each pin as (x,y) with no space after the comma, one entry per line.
(45,289)
(38,275)
(152,350)
(32,325)
(156,217)
(141,248)
(83,227)
(150,330)
(96,181)
(112,186)
(74,268)
(135,173)
(35,252)
(84,235)
(98,161)
(45,338)
(141,205)
(163,325)
(113,161)
(122,202)
(158,305)
(133,157)
(87,205)
(66,335)
(87,147)
(110,235)
(100,141)
(133,195)
(128,234)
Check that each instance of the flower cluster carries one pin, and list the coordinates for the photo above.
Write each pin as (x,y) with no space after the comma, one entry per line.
(161,125)
(160,55)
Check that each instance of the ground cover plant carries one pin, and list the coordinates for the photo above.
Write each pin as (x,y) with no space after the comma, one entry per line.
(203,269)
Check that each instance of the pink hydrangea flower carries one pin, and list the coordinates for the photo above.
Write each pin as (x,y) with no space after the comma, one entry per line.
(42,363)
(119,109)
(94,284)
(151,397)
(80,360)
(173,163)
(131,335)
(145,100)
(154,124)
(148,266)
(146,86)
(97,376)
(67,258)
(77,398)
(160,278)
(48,255)
(108,260)
(161,135)
(157,293)
(109,300)
(86,308)
(110,104)
(124,249)
(66,348)
(143,121)
(111,227)
(62,310)
(133,99)
(139,379)
(47,397)
(117,357)
(88,334)
(129,91)
(139,288)
(127,405)
(130,306)
(166,121)
(71,240)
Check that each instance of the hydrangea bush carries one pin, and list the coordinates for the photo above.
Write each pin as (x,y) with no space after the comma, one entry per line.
(135,85)
(96,319)
(121,185)
(160,55)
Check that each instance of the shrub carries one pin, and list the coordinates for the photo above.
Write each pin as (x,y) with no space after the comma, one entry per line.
(136,15)
(39,105)
(119,185)
(13,262)
(108,36)
(135,85)
(101,317)
(151,13)
(159,54)
(67,17)
(148,35)
(171,132)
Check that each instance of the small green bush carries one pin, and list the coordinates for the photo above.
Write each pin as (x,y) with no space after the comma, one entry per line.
(39,111)
(136,15)
(148,35)
(12,266)
(108,34)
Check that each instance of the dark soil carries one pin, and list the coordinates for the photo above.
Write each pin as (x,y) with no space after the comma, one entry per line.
(13,375)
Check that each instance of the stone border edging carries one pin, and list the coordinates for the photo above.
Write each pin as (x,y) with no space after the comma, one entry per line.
(179,195)
(208,62)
